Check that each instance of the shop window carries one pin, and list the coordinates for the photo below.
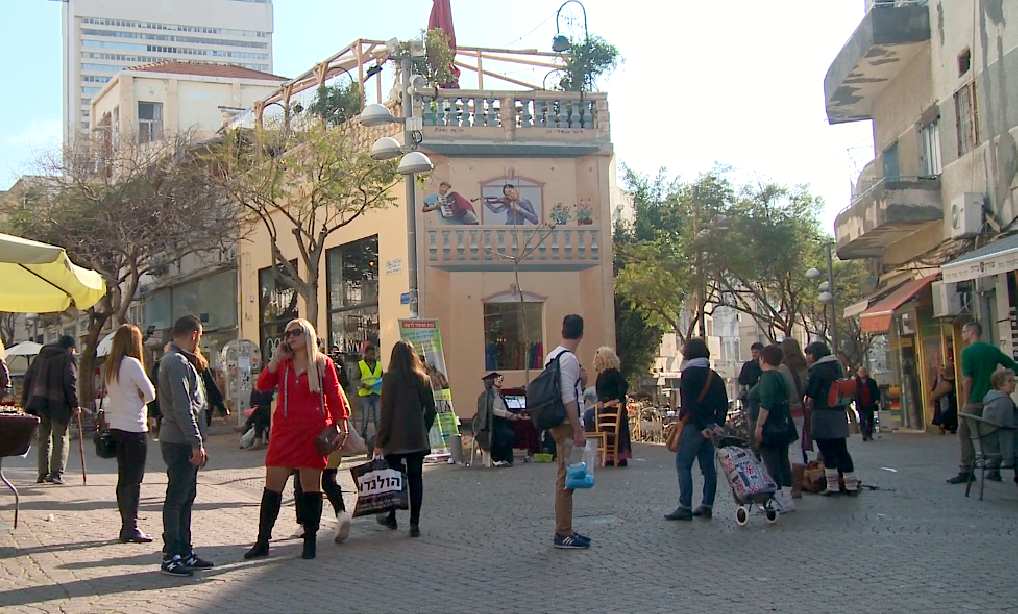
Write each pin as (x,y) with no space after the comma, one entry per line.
(352,294)
(277,307)
(505,344)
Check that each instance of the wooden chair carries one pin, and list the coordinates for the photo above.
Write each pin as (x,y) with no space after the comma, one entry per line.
(608,423)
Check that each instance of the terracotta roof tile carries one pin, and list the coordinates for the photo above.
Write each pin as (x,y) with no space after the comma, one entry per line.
(204,69)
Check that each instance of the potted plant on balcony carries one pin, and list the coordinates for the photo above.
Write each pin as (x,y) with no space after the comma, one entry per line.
(586,62)
(559,215)
(584,213)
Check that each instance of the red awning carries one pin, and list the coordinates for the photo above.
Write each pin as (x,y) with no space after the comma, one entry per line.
(877,318)
(441,18)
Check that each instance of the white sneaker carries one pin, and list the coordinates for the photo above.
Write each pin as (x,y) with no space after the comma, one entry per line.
(342,527)
(787,503)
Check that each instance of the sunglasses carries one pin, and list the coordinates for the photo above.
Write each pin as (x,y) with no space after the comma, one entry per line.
(297,332)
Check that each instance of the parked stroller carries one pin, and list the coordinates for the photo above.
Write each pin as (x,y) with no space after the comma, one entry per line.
(748,478)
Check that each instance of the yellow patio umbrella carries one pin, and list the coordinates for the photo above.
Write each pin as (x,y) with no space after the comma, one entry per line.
(40,278)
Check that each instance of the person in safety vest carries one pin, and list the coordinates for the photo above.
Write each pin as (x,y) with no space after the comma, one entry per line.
(370,390)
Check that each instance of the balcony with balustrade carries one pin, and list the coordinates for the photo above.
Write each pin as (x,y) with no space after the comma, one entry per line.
(883,211)
(472,249)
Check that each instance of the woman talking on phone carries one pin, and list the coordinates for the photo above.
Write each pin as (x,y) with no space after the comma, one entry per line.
(308,401)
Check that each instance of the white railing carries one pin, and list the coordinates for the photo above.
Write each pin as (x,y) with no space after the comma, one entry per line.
(483,245)
(877,4)
(521,110)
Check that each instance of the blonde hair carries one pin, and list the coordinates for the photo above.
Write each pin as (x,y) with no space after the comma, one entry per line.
(315,357)
(998,379)
(605,358)
(127,341)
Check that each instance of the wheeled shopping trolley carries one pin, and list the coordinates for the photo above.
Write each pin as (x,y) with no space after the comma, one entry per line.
(747,477)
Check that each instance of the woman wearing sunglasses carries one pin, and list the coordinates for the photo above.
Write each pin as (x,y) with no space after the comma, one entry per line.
(308,400)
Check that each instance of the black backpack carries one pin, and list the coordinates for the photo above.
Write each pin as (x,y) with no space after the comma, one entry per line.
(544,397)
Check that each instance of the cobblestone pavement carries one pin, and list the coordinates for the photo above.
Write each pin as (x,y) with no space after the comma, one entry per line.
(914,543)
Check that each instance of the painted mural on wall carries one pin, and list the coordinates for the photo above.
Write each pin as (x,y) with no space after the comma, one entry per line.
(458,196)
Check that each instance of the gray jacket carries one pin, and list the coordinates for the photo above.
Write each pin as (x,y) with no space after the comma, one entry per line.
(999,409)
(181,397)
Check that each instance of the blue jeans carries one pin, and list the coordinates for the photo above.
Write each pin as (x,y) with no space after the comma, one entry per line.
(371,410)
(693,446)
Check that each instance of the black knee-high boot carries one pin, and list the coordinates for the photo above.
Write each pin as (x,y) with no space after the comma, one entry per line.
(271,501)
(312,517)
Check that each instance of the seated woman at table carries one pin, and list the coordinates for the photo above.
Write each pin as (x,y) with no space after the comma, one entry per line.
(495,420)
(612,389)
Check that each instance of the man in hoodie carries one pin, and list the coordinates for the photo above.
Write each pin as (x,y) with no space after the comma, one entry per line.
(181,396)
(51,392)
(1000,410)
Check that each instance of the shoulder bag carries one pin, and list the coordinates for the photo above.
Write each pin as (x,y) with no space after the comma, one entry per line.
(675,430)
(779,430)
(105,445)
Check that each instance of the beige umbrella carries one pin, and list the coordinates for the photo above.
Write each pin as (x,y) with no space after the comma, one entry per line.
(40,278)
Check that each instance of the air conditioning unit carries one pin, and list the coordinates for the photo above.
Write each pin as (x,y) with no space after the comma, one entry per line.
(965,217)
(949,299)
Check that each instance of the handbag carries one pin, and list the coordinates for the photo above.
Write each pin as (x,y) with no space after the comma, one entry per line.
(675,430)
(779,430)
(105,445)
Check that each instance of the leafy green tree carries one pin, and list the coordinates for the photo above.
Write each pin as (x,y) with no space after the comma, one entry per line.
(587,61)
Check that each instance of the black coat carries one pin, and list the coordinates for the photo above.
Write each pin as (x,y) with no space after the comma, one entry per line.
(408,413)
(713,410)
(871,385)
(51,384)
(611,386)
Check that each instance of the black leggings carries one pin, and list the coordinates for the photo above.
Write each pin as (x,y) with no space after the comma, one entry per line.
(415,477)
(836,456)
(329,486)
(132,450)
(775,458)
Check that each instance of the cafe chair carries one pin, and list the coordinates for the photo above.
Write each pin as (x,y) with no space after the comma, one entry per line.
(16,432)
(986,438)
(608,423)
(475,445)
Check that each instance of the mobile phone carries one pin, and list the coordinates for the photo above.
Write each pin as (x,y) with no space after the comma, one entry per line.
(285,347)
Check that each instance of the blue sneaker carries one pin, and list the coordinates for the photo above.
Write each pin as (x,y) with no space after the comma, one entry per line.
(571,542)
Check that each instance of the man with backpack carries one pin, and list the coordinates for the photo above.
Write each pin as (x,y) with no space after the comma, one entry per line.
(553,399)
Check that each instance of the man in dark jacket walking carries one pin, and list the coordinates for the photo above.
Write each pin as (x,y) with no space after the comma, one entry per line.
(749,376)
(51,392)
(867,399)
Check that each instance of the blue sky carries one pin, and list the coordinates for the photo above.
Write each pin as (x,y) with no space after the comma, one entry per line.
(737,81)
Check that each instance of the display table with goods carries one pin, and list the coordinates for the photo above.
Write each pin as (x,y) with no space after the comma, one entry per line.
(16,431)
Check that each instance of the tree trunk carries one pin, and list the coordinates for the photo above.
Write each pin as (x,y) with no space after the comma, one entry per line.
(86,368)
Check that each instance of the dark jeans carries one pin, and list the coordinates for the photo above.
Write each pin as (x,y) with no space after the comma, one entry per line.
(502,437)
(181,489)
(415,477)
(836,456)
(775,458)
(693,446)
(132,450)
(259,421)
(330,487)
(866,421)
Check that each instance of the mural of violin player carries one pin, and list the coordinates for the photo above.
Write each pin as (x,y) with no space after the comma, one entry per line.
(452,208)
(519,199)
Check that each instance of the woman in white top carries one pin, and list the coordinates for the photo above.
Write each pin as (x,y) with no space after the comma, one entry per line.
(128,393)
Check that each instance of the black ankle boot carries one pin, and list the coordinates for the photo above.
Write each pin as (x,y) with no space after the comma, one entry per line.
(312,516)
(271,501)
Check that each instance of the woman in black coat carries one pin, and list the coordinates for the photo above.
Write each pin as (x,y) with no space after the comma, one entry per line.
(408,413)
(612,387)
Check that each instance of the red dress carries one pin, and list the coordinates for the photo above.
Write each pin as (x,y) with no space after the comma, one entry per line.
(300,416)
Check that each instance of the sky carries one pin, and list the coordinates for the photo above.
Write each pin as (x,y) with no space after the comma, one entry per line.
(737,82)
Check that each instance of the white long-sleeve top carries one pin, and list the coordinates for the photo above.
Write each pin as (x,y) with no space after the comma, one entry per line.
(128,397)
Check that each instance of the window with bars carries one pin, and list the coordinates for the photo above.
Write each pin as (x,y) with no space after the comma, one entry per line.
(150,121)
(967,118)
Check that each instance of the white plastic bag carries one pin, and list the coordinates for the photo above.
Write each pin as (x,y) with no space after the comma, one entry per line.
(247,439)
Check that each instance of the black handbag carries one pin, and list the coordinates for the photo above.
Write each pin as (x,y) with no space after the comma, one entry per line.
(105,445)
(779,430)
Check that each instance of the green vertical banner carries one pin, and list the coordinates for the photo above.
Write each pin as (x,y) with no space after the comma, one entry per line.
(426,338)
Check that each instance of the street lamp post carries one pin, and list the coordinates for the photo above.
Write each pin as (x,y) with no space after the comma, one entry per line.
(827,294)
(561,43)
(413,162)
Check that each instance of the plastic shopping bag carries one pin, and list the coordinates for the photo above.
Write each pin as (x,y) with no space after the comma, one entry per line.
(247,439)
(580,474)
(379,488)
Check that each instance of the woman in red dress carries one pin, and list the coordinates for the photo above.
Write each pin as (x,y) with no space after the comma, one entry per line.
(308,400)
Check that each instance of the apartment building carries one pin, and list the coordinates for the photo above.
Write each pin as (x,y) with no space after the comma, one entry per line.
(102,37)
(933,210)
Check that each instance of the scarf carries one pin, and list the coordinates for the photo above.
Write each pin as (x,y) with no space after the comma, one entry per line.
(695,362)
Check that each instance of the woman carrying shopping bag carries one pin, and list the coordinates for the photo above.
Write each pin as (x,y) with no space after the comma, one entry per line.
(408,413)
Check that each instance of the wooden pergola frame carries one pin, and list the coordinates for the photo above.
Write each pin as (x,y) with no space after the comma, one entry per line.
(362,52)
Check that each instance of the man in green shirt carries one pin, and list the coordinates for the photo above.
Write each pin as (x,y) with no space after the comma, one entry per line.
(978,362)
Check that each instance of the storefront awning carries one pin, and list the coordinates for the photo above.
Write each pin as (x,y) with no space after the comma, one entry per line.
(877,319)
(996,258)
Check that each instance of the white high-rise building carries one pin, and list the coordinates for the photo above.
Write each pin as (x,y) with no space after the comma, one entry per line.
(102,37)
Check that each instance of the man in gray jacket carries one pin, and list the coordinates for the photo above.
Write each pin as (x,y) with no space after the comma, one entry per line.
(181,397)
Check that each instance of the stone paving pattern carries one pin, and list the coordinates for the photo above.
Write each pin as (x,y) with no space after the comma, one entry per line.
(914,543)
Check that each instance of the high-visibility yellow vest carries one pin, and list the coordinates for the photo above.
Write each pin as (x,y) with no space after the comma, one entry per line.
(368,377)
